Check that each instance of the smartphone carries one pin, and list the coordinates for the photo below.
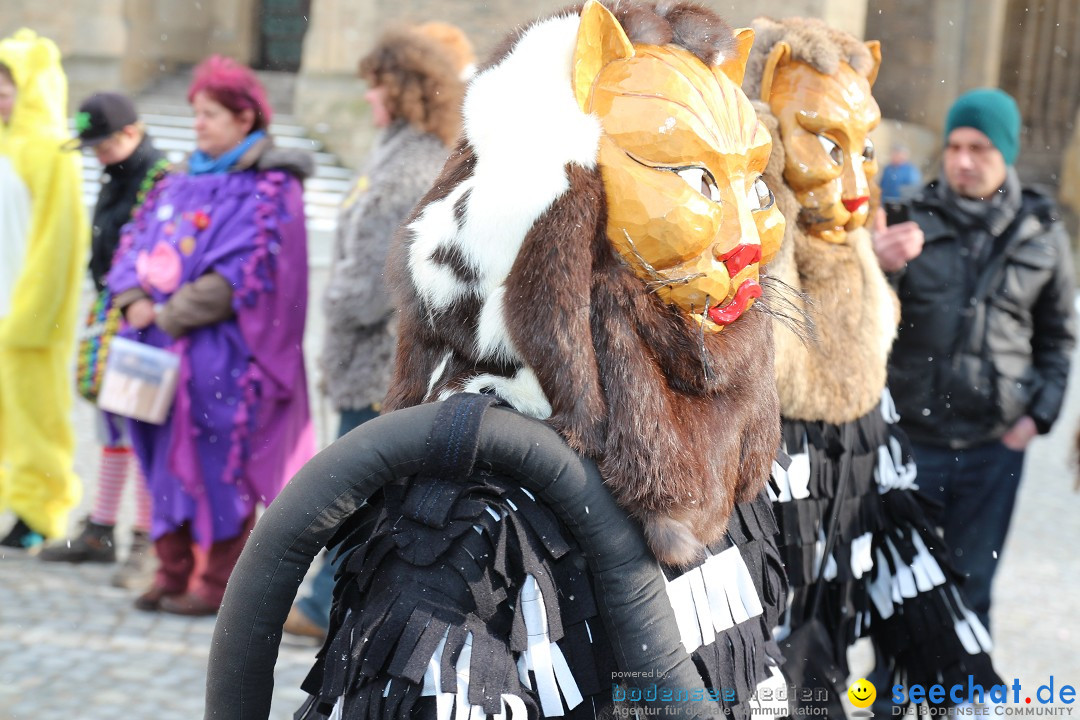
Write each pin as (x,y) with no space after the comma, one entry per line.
(896,213)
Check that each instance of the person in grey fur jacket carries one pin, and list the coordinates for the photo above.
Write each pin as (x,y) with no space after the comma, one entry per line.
(359,349)
(415,92)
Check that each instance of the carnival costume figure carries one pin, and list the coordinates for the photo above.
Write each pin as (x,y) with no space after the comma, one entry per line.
(851,471)
(43,238)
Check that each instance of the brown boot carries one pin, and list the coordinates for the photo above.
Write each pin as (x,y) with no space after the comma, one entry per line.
(138,569)
(152,599)
(300,624)
(188,604)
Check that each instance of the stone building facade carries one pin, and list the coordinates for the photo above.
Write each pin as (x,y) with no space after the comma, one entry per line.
(933,50)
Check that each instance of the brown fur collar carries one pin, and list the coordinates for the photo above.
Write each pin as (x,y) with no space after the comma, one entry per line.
(834,372)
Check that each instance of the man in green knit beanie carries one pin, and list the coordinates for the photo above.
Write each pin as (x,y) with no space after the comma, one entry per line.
(979,366)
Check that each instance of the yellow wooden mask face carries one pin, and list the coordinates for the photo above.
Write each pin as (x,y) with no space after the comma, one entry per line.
(681,157)
(825,122)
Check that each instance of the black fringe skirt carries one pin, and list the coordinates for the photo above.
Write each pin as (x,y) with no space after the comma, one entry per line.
(888,576)
(490,611)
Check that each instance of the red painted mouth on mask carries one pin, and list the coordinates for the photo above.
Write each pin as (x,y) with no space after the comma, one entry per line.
(855,203)
(739,257)
(747,292)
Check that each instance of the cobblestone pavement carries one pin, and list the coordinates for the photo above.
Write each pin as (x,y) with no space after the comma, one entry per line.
(73,648)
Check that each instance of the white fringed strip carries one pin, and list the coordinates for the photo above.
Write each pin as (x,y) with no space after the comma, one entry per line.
(888,408)
(516,706)
(774,687)
(976,637)
(779,475)
(701,607)
(462,708)
(880,588)
(713,597)
(544,657)
(682,602)
(933,570)
(887,591)
(794,483)
(339,709)
(862,558)
(892,473)
(830,563)
(799,474)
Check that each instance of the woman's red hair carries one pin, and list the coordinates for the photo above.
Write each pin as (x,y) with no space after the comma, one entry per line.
(234,86)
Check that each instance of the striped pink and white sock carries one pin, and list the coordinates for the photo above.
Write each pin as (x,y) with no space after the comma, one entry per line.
(142,500)
(112,474)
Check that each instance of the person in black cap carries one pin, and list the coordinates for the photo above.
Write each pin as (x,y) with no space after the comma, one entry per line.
(108,124)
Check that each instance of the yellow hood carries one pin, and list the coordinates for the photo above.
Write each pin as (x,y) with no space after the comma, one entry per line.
(41,99)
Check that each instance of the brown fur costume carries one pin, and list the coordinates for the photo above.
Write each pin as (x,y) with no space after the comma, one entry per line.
(421,80)
(836,372)
(683,424)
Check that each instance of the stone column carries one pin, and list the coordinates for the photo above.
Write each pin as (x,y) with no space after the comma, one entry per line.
(933,50)
(233,25)
(1069,195)
(329,96)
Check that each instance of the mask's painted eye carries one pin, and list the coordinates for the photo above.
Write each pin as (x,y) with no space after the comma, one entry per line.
(868,151)
(701,180)
(832,150)
(759,197)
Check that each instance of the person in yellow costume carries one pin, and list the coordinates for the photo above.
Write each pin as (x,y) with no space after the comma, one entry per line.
(43,235)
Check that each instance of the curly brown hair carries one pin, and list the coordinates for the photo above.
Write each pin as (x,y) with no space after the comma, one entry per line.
(421,83)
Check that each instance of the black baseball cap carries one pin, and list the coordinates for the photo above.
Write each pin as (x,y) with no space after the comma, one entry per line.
(99,116)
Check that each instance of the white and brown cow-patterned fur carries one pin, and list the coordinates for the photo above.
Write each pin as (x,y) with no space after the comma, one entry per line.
(506,282)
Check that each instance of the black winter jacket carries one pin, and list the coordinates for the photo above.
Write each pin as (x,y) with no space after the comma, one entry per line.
(119,192)
(979,348)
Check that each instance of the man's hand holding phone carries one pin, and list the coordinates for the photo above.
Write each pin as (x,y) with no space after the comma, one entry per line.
(896,243)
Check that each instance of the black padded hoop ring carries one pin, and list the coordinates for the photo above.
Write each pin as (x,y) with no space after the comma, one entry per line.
(298,524)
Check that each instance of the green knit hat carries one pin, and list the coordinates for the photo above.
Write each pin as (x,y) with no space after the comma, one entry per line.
(994,113)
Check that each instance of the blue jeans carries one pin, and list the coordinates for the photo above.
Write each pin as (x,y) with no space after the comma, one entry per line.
(976,488)
(316,603)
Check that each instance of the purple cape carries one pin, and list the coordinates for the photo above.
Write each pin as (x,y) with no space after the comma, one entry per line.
(240,425)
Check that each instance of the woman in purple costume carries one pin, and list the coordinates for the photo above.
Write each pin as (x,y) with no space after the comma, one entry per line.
(214,269)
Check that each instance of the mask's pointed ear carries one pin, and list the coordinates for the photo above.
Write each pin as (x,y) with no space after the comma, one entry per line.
(874,46)
(778,57)
(600,41)
(735,66)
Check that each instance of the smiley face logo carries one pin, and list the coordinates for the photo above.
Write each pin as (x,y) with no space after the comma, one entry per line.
(862,693)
